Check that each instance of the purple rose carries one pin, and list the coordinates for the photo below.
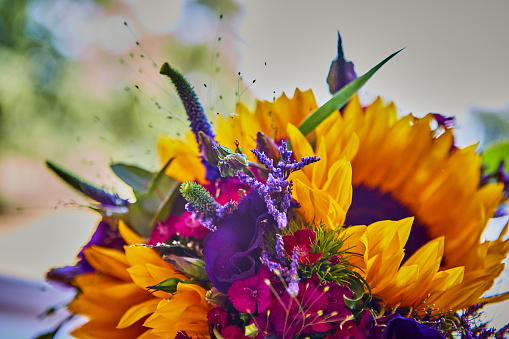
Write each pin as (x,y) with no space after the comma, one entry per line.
(405,328)
(232,252)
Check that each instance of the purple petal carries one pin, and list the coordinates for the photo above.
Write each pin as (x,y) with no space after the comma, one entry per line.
(233,251)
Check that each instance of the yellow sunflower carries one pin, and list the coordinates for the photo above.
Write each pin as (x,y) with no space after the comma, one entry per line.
(419,195)
(401,169)
(115,297)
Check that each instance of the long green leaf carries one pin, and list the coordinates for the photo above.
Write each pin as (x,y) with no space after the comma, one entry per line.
(340,98)
(159,176)
(138,178)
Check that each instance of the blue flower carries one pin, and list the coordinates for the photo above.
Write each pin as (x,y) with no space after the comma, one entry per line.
(405,328)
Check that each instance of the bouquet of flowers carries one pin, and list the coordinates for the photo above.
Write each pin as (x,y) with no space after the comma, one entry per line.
(295,221)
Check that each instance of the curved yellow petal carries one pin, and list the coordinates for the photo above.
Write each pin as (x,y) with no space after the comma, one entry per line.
(137,312)
(107,261)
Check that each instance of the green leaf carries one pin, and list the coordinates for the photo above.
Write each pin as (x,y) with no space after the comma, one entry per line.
(494,153)
(153,202)
(192,267)
(139,179)
(159,176)
(164,209)
(150,208)
(340,98)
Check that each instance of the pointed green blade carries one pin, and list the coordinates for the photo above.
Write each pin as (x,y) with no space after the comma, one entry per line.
(340,98)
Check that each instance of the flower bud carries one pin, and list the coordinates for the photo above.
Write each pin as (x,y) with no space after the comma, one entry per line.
(268,147)
(236,161)
(206,145)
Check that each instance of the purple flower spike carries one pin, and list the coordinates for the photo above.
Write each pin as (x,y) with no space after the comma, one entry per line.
(194,110)
(195,114)
(293,276)
(445,121)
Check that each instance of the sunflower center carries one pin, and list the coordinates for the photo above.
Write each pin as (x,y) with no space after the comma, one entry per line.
(369,205)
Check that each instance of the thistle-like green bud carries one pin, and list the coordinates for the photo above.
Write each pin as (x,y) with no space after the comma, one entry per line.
(201,202)
(199,198)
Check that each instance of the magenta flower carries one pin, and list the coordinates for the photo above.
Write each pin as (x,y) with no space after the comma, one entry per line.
(301,241)
(188,226)
(163,230)
(185,225)
(233,332)
(251,295)
(218,317)
(351,330)
(335,259)
(316,309)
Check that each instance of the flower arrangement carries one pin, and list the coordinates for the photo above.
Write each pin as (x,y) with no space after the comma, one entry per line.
(295,221)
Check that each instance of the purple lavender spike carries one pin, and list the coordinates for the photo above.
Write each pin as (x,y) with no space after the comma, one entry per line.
(293,277)
(286,154)
(280,248)
(277,191)
(272,265)
(195,114)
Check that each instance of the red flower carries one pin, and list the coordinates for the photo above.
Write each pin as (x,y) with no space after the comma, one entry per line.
(301,241)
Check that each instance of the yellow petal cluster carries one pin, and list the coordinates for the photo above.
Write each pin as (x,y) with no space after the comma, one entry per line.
(115,299)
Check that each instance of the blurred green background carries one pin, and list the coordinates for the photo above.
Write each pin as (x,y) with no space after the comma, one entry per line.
(68,71)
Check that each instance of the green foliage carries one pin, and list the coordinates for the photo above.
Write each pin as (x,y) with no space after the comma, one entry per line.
(493,154)
(154,192)
(329,243)
(169,285)
(340,98)
(137,178)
